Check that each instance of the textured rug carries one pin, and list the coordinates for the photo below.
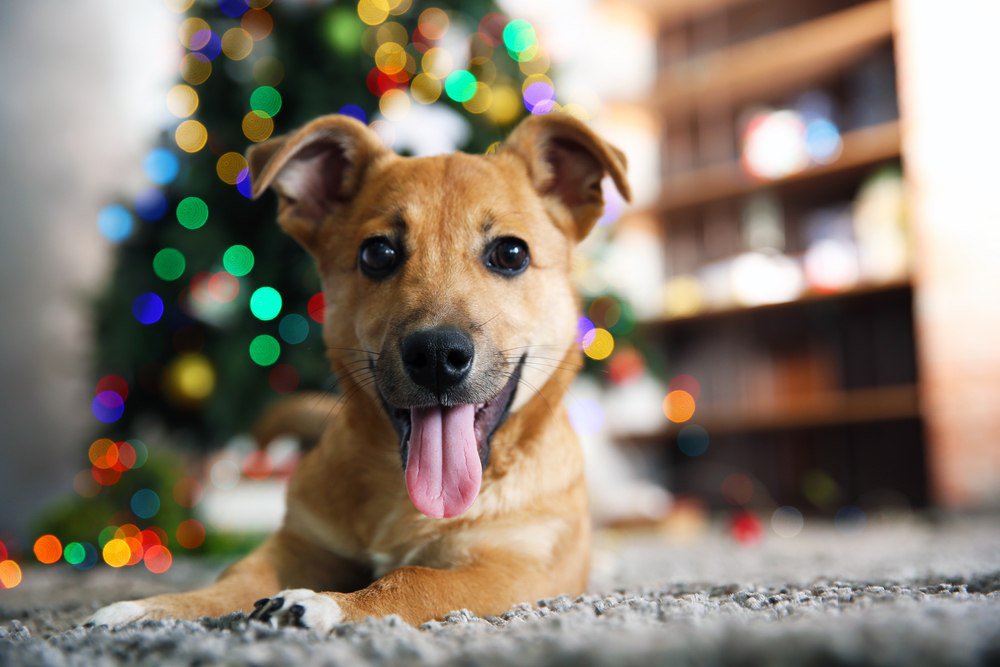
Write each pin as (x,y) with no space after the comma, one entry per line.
(896,593)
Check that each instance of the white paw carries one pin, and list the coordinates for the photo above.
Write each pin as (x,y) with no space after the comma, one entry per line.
(118,614)
(301,607)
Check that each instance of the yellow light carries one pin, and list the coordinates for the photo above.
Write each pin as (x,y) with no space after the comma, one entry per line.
(182,101)
(394,104)
(483,69)
(268,71)
(433,23)
(117,553)
(373,12)
(237,43)
(191,136)
(257,126)
(195,68)
(481,100)
(602,345)
(400,7)
(425,88)
(229,167)
(10,574)
(188,29)
(506,106)
(540,64)
(576,111)
(190,378)
(390,58)
(179,6)
(437,62)
(390,31)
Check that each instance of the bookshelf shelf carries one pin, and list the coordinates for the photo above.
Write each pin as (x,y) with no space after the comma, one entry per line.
(765,66)
(836,408)
(865,290)
(862,149)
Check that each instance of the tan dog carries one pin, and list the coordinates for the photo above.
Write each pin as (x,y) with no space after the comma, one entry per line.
(451,325)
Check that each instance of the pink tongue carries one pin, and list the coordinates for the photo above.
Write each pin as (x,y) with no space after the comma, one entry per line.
(443,471)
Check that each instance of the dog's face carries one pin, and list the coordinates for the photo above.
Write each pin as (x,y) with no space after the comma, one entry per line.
(447,278)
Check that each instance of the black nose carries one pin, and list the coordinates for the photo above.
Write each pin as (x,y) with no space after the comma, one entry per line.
(437,359)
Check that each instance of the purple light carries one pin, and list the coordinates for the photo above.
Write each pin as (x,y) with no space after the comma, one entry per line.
(206,43)
(539,97)
(108,406)
(583,328)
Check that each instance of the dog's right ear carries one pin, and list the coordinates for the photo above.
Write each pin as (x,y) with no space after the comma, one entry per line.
(315,171)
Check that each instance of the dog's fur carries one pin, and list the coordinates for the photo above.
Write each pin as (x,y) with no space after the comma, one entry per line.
(350,530)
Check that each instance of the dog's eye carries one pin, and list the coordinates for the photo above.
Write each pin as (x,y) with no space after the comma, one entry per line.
(507,256)
(377,257)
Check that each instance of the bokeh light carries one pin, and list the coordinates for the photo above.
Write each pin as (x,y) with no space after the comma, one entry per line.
(265,303)
(150,204)
(195,68)
(10,574)
(108,407)
(258,25)
(257,126)
(191,136)
(116,553)
(268,71)
(264,350)
(373,12)
(189,378)
(192,212)
(161,166)
(460,85)
(182,100)
(74,553)
(115,383)
(266,99)
(233,8)
(737,488)
(685,382)
(679,406)
(114,223)
(394,104)
(145,503)
(147,308)
(425,88)
(158,559)
(237,43)
(169,264)
(229,166)
(238,260)
(103,453)
(48,549)
(598,344)
(283,378)
(786,521)
(317,307)
(293,328)
(433,23)
(692,440)
(190,533)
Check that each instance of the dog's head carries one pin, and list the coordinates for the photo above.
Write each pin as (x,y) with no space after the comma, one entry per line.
(447,278)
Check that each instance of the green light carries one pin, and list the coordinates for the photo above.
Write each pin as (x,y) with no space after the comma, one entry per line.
(343,30)
(266,99)
(265,303)
(141,452)
(74,553)
(460,85)
(264,350)
(238,260)
(169,264)
(107,534)
(192,212)
(519,35)
(293,328)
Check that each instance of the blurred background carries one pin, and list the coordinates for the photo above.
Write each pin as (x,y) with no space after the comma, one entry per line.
(796,319)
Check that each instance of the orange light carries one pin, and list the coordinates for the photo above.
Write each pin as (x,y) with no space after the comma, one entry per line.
(10,574)
(48,549)
(190,534)
(679,406)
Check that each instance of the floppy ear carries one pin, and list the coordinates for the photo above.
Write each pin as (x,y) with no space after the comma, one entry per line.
(315,171)
(566,160)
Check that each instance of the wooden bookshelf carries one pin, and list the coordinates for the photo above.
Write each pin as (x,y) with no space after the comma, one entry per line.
(857,292)
(835,408)
(862,149)
(787,59)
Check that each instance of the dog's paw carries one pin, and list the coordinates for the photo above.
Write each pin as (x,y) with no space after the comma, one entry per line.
(118,614)
(299,607)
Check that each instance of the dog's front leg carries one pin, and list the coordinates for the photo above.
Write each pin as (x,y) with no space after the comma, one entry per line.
(491,584)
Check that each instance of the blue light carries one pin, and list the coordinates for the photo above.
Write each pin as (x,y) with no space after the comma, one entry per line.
(145,503)
(692,440)
(293,328)
(114,222)
(354,111)
(161,166)
(147,308)
(243,185)
(108,407)
(150,204)
(822,140)
(213,48)
(233,8)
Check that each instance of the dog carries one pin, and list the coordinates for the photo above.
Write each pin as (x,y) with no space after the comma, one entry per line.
(448,475)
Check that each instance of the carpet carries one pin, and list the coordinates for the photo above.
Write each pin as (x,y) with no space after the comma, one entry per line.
(899,592)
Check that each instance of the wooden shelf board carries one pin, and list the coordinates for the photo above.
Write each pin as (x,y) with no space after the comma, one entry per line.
(777,62)
(838,408)
(672,12)
(861,148)
(866,289)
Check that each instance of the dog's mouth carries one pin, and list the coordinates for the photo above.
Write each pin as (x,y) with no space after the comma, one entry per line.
(445,449)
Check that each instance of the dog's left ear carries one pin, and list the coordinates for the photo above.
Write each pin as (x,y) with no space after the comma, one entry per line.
(567,160)
(315,171)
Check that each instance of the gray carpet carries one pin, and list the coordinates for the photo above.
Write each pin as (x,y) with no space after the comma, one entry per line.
(902,592)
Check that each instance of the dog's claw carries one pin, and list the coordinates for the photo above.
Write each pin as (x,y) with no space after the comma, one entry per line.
(306,609)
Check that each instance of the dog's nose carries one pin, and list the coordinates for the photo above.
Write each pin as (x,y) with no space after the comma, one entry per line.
(437,359)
